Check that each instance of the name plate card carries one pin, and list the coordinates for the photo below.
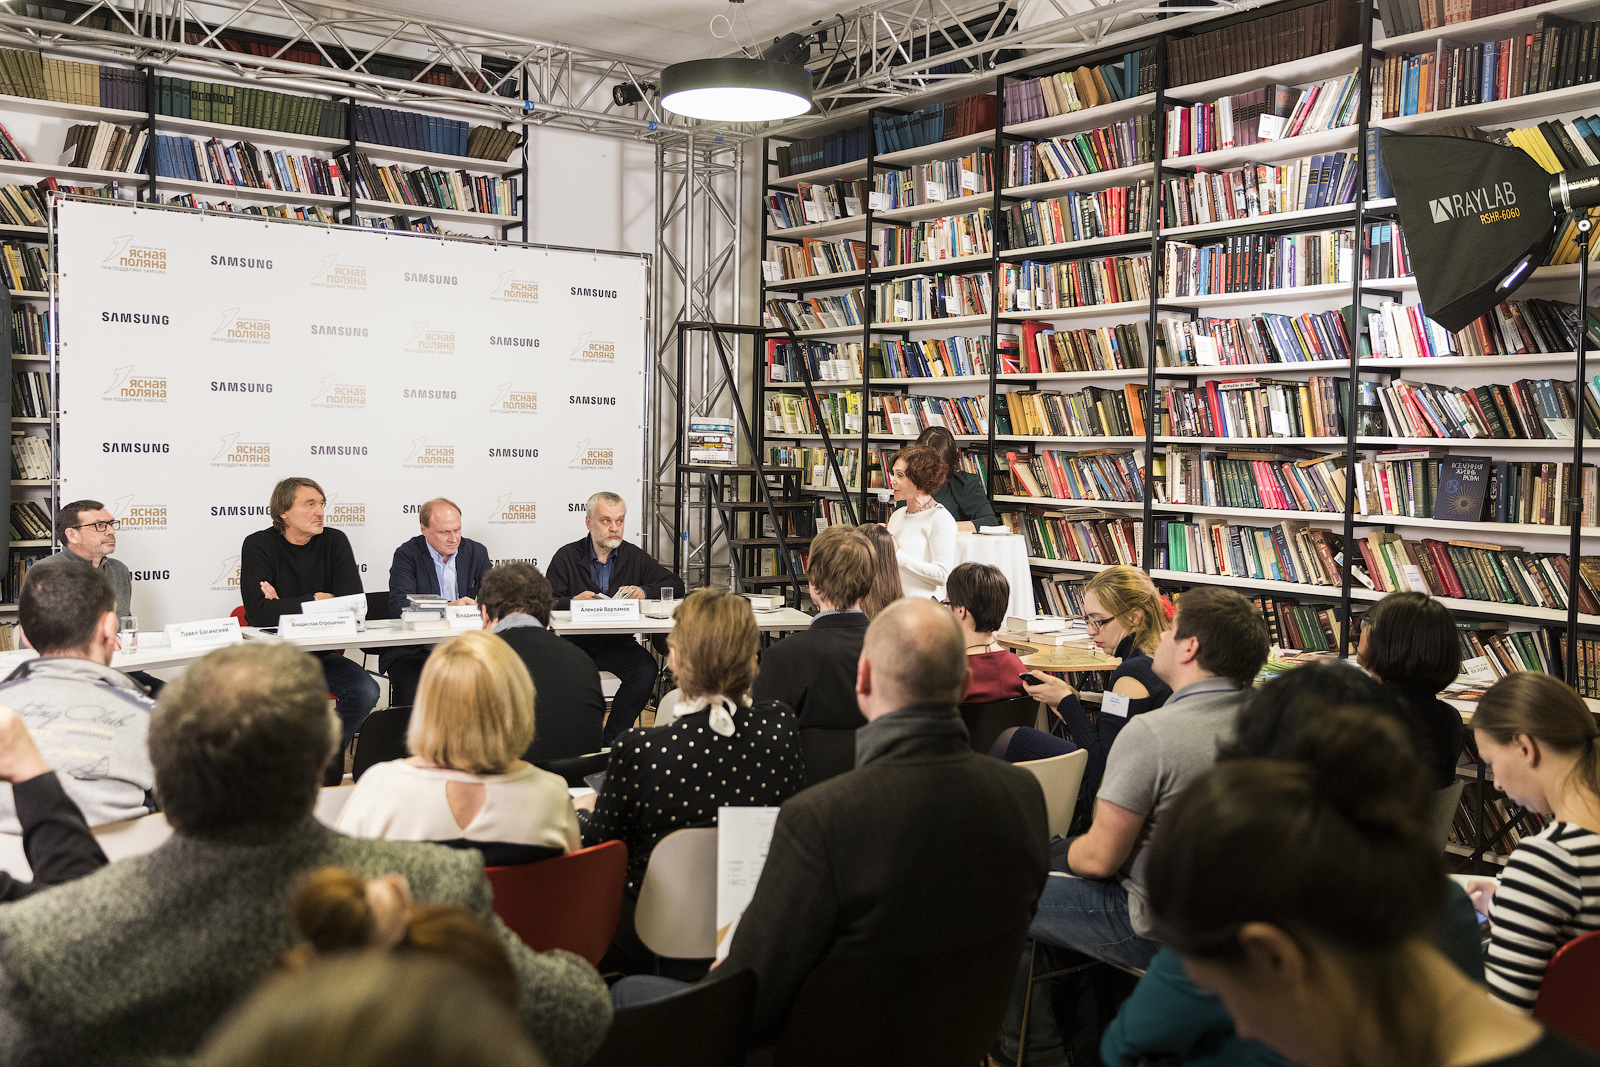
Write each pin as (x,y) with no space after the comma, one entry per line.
(464,617)
(589,612)
(204,633)
(350,603)
(317,625)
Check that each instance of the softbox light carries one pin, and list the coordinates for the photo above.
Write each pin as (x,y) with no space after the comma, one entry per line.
(1477,218)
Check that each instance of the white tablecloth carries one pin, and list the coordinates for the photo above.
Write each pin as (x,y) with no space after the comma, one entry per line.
(1010,554)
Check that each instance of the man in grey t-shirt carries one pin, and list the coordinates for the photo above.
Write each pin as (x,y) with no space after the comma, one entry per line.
(1094,901)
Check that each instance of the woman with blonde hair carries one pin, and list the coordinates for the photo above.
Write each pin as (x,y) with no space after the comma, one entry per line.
(1125,616)
(886,587)
(720,751)
(466,784)
(1539,737)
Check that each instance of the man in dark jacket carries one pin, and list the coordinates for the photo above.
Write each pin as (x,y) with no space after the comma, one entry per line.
(439,561)
(568,704)
(814,671)
(925,847)
(601,563)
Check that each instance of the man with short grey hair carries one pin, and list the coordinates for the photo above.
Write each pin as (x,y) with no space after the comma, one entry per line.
(601,563)
(137,963)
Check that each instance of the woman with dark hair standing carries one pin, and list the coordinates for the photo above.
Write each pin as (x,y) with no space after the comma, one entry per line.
(1303,894)
(886,588)
(1410,644)
(962,494)
(1540,739)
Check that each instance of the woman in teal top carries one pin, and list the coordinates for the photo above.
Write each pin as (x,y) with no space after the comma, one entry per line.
(962,494)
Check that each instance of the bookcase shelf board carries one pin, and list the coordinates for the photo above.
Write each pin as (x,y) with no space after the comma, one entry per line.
(30,106)
(248,192)
(1269,152)
(1088,118)
(1098,180)
(383,207)
(1054,502)
(1332,64)
(1497,112)
(1087,311)
(1490,27)
(1488,529)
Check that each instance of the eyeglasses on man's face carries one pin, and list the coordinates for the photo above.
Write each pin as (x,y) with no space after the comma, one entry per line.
(100,527)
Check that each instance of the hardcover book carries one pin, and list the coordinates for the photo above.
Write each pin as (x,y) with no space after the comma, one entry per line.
(1461,489)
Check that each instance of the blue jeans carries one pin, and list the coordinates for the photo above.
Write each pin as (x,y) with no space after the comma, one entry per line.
(1085,914)
(356,691)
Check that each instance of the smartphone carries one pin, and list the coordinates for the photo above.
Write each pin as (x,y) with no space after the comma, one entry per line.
(1028,678)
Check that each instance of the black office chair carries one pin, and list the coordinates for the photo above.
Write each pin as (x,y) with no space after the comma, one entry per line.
(986,722)
(377,608)
(706,1025)
(827,752)
(382,738)
(937,1010)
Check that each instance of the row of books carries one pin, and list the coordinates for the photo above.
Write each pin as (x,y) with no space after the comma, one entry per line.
(1401,483)
(1513,652)
(1068,91)
(1252,262)
(1268,113)
(932,240)
(1413,16)
(1258,189)
(1079,216)
(1079,535)
(1034,286)
(305,213)
(1254,407)
(1588,654)
(103,146)
(24,267)
(29,522)
(1506,825)
(1402,331)
(1293,625)
(242,164)
(827,362)
(1277,38)
(822,151)
(1527,409)
(910,414)
(816,257)
(1125,143)
(21,563)
(1309,337)
(925,297)
(795,413)
(30,456)
(30,331)
(21,205)
(1288,551)
(933,123)
(430,133)
(1089,412)
(832,311)
(261,109)
(1557,54)
(1044,349)
(429,187)
(31,395)
(818,472)
(938,357)
(1517,327)
(1253,479)
(1062,596)
(1098,474)
(814,202)
(934,182)
(1474,570)
(30,73)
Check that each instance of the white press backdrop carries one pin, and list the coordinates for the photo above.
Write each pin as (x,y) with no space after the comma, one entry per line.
(204,357)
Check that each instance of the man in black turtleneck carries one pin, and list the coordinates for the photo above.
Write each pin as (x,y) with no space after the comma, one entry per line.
(925,847)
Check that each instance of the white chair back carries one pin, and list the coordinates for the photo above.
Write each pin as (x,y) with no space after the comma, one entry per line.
(331,800)
(133,837)
(1060,777)
(677,912)
(1442,816)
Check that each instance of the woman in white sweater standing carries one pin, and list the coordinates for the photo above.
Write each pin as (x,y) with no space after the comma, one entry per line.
(924,532)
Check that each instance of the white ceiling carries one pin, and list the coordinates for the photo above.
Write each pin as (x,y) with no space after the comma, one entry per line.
(663,31)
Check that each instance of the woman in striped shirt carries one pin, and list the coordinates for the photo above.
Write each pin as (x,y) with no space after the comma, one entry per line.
(1540,739)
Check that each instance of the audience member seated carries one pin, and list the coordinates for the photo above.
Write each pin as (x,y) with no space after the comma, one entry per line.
(1168,1015)
(1409,642)
(924,533)
(515,600)
(1125,616)
(962,494)
(55,836)
(721,751)
(177,937)
(1095,901)
(886,587)
(1306,895)
(925,846)
(465,784)
(337,912)
(1539,738)
(814,671)
(978,595)
(89,721)
(370,1008)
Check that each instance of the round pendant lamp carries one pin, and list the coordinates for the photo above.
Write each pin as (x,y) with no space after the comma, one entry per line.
(736,90)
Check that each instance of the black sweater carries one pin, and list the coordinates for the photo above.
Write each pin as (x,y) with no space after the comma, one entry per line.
(814,672)
(1098,737)
(569,572)
(323,564)
(569,705)
(55,837)
(1435,728)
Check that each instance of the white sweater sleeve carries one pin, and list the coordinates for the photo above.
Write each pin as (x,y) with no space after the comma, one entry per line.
(941,549)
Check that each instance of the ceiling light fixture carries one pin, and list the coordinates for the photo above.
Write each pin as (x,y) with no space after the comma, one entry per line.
(736,90)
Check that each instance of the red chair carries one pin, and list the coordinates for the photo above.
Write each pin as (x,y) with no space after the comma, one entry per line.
(571,902)
(1570,990)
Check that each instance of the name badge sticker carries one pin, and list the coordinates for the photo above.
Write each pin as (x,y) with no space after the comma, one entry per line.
(1114,704)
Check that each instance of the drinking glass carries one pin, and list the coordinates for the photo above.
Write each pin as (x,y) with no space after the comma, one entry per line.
(667,595)
(128,631)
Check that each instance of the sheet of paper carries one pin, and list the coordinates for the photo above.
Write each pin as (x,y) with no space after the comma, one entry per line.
(743,836)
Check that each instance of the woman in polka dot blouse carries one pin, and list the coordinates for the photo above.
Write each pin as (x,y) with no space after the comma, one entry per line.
(721,751)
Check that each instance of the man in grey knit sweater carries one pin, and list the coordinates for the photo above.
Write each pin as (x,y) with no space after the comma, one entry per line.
(135,963)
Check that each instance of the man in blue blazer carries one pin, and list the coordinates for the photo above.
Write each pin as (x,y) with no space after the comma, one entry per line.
(439,561)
